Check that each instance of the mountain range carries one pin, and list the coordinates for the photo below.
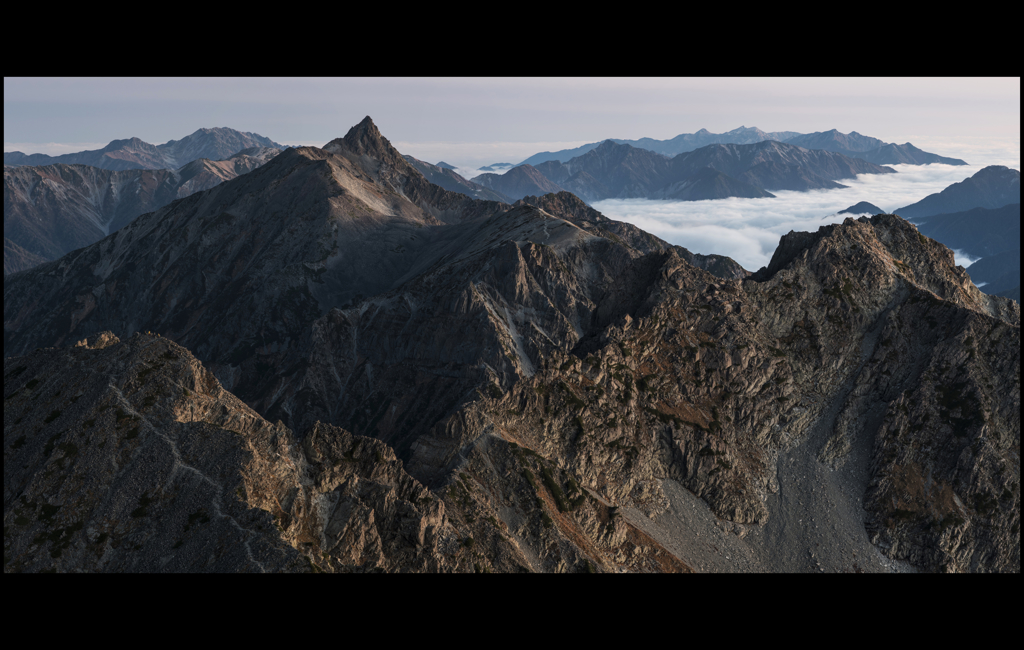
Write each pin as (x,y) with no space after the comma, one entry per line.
(132,153)
(332,364)
(853,145)
(716,171)
(50,210)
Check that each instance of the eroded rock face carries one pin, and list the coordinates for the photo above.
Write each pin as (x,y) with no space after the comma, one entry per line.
(129,456)
(714,379)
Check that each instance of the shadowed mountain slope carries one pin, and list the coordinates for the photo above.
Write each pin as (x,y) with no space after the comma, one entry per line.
(130,457)
(445,177)
(51,210)
(518,182)
(992,187)
(576,402)
(979,232)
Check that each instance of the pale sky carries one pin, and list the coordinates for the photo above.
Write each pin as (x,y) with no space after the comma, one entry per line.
(472,121)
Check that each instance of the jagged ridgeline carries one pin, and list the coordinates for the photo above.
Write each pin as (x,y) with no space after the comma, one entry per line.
(471,386)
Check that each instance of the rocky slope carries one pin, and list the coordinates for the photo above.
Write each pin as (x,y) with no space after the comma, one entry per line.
(992,187)
(130,457)
(133,153)
(1012,294)
(580,403)
(54,209)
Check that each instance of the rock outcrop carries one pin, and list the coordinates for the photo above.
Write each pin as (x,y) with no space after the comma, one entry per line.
(129,456)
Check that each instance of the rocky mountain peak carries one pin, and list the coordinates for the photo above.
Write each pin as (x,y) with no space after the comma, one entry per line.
(365,138)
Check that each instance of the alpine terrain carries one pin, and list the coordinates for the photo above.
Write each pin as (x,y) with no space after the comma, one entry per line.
(332,364)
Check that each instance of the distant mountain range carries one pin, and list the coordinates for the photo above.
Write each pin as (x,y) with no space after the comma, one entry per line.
(677,145)
(870,149)
(716,171)
(213,144)
(992,187)
(50,210)
(853,145)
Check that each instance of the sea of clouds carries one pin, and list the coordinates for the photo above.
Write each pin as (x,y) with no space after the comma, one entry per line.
(748,230)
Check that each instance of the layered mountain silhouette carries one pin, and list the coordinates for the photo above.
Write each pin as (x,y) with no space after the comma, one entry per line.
(445,177)
(621,171)
(50,210)
(992,187)
(978,232)
(870,149)
(853,145)
(518,182)
(467,385)
(213,144)
(677,145)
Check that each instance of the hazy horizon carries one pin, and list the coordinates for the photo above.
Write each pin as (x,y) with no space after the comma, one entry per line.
(473,122)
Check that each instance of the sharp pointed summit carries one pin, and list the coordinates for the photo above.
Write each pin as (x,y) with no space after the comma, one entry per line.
(365,138)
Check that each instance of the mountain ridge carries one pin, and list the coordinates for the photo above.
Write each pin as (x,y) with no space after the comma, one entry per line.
(560,383)
(133,153)
(852,144)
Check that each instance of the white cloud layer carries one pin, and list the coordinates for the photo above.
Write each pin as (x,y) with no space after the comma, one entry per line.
(748,230)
